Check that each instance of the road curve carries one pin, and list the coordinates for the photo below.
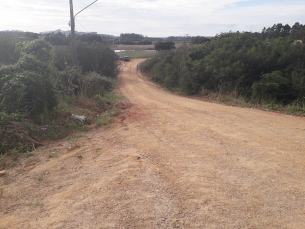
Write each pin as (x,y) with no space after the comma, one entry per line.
(227,167)
(167,162)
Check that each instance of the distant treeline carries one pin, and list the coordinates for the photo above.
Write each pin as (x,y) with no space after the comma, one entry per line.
(130,42)
(262,67)
(178,38)
(131,36)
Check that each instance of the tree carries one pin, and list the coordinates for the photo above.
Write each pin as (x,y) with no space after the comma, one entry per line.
(25,86)
(97,57)
(90,38)
(166,45)
(199,40)
(57,39)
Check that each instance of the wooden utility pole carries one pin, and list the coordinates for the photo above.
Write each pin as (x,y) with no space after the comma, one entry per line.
(73,44)
(72,24)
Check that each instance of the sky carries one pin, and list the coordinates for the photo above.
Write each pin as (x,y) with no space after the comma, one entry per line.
(152,18)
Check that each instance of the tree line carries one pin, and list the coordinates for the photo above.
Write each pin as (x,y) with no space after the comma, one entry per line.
(261,67)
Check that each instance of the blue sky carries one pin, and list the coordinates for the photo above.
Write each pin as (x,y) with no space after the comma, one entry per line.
(151,17)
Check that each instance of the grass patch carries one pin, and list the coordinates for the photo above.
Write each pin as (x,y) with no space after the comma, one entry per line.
(138,54)
(296,109)
(74,138)
(3,161)
(76,146)
(29,154)
(104,120)
(40,177)
(1,190)
(36,204)
(53,155)
(28,162)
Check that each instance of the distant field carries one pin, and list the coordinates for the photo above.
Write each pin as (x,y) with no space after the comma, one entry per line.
(140,51)
(133,47)
(178,44)
(138,54)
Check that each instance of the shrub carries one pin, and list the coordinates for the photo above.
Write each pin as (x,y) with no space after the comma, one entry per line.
(26,86)
(164,45)
(97,57)
(95,84)
(272,87)
(7,47)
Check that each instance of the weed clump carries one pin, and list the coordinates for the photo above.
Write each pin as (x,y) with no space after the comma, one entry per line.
(36,204)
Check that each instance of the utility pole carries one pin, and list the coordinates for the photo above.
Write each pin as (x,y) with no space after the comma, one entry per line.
(72,24)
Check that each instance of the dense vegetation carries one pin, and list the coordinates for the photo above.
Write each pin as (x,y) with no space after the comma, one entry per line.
(262,67)
(164,45)
(37,83)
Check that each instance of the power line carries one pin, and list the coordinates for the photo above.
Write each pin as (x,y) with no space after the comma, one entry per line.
(81,25)
(98,25)
(102,15)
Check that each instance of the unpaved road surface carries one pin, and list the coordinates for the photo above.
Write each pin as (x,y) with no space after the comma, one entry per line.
(167,162)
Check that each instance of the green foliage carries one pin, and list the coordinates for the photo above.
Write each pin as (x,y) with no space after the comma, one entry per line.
(41,85)
(57,39)
(3,161)
(90,38)
(137,54)
(199,40)
(95,84)
(7,47)
(131,42)
(36,204)
(165,45)
(296,108)
(40,49)
(25,86)
(29,154)
(75,138)
(245,63)
(131,36)
(97,57)
(271,87)
(67,82)
(31,35)
(104,120)
(62,57)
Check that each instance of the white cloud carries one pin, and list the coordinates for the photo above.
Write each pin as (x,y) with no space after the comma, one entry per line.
(152,18)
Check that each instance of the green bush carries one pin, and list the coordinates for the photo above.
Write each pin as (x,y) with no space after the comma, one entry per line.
(95,84)
(244,63)
(95,57)
(7,47)
(26,86)
(271,87)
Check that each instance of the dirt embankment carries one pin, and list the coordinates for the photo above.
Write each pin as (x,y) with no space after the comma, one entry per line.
(167,162)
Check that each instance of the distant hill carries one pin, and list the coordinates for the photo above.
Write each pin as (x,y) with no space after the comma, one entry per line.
(77,33)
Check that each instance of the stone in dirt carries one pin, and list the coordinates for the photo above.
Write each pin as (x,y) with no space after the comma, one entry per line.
(79,118)
(2,173)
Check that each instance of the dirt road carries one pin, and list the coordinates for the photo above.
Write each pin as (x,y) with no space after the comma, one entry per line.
(167,162)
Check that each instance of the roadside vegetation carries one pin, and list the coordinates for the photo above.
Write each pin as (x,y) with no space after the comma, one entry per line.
(253,69)
(40,90)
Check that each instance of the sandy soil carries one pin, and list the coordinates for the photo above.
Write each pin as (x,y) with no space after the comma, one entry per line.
(167,162)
